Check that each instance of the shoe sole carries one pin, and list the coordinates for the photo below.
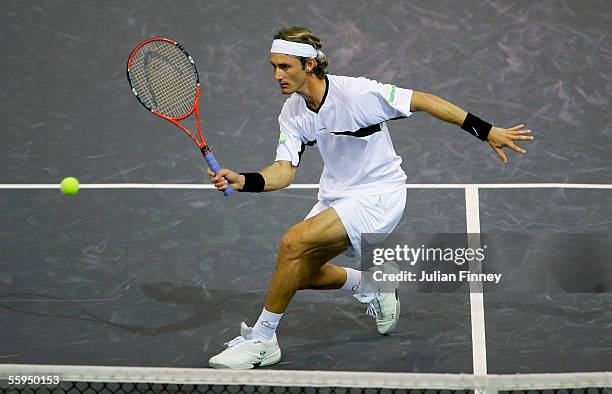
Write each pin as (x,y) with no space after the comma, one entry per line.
(270,360)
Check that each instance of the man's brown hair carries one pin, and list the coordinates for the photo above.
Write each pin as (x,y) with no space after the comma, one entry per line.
(305,36)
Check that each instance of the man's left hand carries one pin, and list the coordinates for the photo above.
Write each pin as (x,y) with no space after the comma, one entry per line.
(499,138)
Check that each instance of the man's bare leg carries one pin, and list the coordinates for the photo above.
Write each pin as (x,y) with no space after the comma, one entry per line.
(302,260)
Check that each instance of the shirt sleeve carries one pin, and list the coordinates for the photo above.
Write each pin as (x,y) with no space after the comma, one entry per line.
(290,146)
(383,102)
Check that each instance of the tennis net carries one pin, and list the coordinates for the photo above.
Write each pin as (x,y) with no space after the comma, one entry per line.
(22,378)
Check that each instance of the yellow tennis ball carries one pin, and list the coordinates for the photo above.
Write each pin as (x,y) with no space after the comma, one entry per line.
(70,186)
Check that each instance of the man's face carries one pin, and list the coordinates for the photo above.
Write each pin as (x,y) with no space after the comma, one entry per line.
(288,72)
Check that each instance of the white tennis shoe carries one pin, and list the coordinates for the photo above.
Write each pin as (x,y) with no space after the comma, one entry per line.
(384,303)
(246,352)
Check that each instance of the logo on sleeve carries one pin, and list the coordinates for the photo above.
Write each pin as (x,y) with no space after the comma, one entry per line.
(391,96)
(282,139)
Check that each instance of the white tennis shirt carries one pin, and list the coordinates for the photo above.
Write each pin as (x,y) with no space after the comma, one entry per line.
(350,132)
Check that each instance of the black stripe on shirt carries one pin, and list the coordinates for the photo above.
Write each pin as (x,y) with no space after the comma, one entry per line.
(363,132)
(302,148)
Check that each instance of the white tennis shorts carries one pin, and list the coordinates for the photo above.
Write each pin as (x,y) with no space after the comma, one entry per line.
(378,213)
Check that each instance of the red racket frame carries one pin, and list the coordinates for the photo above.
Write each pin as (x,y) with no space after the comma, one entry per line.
(196,104)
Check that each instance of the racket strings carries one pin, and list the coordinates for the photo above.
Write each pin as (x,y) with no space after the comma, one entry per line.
(170,78)
(164,78)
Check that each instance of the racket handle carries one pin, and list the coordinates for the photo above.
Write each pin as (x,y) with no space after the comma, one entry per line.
(215,167)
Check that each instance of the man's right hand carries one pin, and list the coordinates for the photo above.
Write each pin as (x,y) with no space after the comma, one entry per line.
(219,179)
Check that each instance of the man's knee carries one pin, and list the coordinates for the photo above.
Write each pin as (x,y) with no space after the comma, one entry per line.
(291,245)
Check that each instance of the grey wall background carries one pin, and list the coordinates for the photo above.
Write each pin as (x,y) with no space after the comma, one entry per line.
(67,110)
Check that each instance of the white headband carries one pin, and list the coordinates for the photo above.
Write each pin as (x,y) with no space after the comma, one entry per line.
(295,49)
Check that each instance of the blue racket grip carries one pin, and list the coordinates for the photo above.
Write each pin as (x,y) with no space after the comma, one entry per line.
(215,167)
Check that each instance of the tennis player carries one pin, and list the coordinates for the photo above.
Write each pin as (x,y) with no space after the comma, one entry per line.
(362,187)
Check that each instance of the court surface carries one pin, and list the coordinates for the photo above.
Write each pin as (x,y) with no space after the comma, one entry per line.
(162,272)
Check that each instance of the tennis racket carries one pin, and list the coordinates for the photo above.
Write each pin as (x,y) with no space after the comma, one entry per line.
(165,80)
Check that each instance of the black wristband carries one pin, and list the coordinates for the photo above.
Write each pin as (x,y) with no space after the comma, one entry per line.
(476,126)
(254,182)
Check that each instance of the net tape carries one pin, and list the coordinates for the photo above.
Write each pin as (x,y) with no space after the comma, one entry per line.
(124,388)
(121,388)
(164,78)
(98,379)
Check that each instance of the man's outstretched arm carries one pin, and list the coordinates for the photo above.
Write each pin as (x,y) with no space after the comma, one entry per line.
(498,137)
(276,176)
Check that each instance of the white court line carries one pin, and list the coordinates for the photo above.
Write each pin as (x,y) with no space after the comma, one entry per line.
(479,342)
(313,186)
(59,300)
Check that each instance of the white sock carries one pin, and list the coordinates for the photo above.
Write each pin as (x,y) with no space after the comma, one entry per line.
(358,281)
(266,325)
